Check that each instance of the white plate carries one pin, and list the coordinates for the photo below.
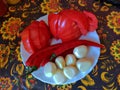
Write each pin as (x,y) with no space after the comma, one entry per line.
(93,53)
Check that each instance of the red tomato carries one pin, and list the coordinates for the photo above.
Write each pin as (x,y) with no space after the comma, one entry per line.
(44,34)
(26,40)
(79,18)
(71,24)
(93,22)
(53,23)
(37,36)
(34,35)
(64,27)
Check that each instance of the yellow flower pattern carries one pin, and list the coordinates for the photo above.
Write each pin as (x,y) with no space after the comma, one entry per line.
(4,55)
(50,6)
(118,79)
(114,22)
(115,50)
(88,81)
(82,3)
(63,87)
(20,69)
(5,83)
(10,28)
(30,81)
(97,6)
(104,76)
(18,54)
(82,88)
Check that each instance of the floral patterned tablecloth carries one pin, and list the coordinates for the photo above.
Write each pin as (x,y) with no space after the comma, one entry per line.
(104,76)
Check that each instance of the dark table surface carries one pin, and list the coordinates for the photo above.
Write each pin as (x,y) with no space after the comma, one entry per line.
(104,76)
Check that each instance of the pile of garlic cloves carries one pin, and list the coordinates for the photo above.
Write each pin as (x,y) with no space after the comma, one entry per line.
(69,66)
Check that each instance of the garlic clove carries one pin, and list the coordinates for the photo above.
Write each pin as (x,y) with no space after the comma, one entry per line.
(83,65)
(80,51)
(59,77)
(49,69)
(70,59)
(70,71)
(60,62)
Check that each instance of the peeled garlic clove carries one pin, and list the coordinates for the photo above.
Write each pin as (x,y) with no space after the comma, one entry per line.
(83,65)
(49,69)
(70,71)
(80,51)
(59,77)
(70,59)
(60,62)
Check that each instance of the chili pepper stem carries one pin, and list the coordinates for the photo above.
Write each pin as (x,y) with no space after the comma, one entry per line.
(52,56)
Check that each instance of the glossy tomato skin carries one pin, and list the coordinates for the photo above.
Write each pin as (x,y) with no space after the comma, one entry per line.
(92,19)
(37,36)
(25,37)
(53,24)
(44,34)
(79,18)
(34,35)
(63,27)
(67,29)
(71,24)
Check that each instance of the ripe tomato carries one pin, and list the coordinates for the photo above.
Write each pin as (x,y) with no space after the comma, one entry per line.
(93,22)
(43,34)
(35,36)
(68,24)
(26,40)
(53,23)
(79,18)
(71,24)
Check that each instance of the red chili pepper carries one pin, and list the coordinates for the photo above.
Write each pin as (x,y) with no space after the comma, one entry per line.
(37,57)
(64,54)
(73,44)
(43,56)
